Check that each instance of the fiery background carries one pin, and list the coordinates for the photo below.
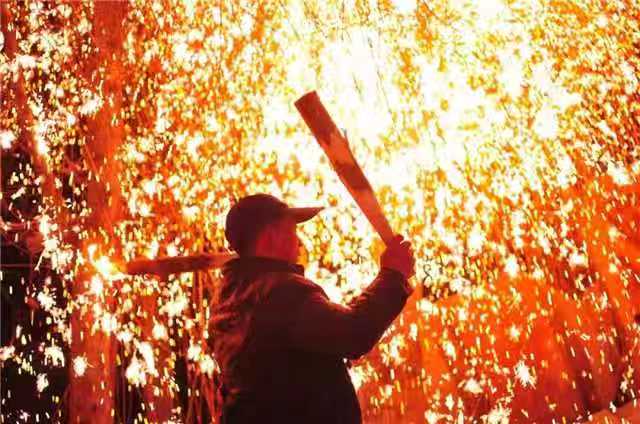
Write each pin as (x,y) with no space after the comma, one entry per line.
(502,137)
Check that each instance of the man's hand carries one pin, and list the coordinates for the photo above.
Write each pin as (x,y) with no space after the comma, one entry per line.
(399,256)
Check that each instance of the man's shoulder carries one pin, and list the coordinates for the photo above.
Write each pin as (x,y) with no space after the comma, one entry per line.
(280,282)
(282,291)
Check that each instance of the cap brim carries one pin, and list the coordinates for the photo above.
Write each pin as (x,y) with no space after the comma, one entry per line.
(303,214)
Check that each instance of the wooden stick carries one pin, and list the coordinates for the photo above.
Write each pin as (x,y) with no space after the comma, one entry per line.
(178,264)
(343,162)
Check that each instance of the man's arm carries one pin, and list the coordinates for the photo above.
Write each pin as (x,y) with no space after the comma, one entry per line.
(351,331)
(309,321)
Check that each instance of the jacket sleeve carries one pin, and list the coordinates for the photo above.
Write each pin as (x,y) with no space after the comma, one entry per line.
(310,321)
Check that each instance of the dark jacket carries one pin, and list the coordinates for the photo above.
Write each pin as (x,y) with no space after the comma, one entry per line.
(281,344)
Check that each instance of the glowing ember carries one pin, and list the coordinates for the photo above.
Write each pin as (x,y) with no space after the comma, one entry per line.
(523,374)
(79,366)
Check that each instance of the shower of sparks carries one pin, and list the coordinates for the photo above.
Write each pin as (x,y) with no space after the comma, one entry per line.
(502,137)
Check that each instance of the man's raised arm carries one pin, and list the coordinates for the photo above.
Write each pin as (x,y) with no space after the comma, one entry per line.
(310,321)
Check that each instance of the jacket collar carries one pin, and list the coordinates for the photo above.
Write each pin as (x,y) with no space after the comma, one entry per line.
(259,265)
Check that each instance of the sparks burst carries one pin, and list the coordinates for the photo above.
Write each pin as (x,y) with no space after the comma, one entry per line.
(502,136)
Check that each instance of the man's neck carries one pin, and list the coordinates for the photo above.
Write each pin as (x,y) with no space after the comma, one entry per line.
(270,254)
(268,263)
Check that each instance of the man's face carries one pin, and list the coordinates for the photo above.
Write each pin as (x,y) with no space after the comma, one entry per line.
(284,240)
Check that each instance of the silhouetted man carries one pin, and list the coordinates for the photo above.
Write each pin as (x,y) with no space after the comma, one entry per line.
(281,344)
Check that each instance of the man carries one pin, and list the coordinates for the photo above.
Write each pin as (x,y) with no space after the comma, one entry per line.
(281,344)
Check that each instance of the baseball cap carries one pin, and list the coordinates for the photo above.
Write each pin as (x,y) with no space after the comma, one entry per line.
(252,213)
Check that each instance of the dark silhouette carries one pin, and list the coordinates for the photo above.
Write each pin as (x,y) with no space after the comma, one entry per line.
(281,344)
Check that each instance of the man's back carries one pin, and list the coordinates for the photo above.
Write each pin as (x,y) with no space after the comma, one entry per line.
(282,345)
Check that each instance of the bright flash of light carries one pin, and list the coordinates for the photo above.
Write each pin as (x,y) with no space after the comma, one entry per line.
(79,365)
